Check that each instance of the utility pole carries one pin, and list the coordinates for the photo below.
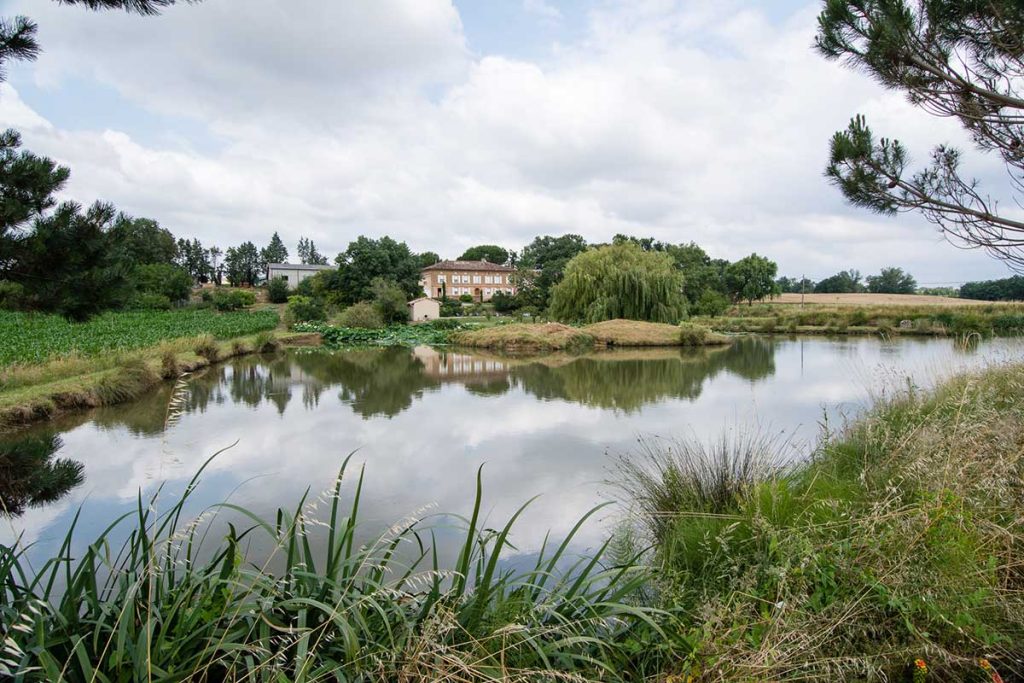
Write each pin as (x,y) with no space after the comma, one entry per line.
(803,286)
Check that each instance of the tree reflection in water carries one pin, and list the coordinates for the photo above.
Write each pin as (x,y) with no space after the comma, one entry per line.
(30,476)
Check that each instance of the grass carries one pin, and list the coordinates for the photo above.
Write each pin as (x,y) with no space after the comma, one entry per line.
(984,319)
(153,610)
(36,338)
(556,336)
(899,539)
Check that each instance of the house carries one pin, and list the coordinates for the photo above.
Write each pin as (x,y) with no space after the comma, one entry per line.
(294,273)
(479,279)
(424,308)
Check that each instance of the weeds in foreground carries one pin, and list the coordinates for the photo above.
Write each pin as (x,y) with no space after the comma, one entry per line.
(153,610)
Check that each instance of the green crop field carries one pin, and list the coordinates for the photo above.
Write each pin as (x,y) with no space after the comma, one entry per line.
(33,338)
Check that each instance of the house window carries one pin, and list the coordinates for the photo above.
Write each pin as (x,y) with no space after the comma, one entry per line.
(440,278)
(283,277)
(488,280)
(476,279)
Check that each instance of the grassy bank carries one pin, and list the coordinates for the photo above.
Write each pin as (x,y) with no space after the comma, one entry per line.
(901,539)
(351,612)
(555,336)
(931,320)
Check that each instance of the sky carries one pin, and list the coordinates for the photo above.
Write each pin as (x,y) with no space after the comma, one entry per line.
(448,124)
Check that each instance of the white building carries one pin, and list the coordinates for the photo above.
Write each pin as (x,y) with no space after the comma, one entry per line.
(294,273)
(424,309)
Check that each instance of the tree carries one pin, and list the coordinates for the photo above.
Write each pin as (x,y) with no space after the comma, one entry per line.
(1007,289)
(242,264)
(486,252)
(275,252)
(620,281)
(390,301)
(216,268)
(751,278)
(427,259)
(194,259)
(308,253)
(548,255)
(162,279)
(892,281)
(141,241)
(366,259)
(954,58)
(843,282)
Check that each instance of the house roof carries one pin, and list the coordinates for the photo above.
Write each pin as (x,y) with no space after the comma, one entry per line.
(422,298)
(469,265)
(299,266)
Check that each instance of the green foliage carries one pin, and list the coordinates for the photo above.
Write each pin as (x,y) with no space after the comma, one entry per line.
(691,334)
(35,338)
(466,298)
(433,332)
(367,259)
(620,281)
(486,252)
(361,315)
(451,308)
(141,241)
(32,477)
(390,301)
(844,282)
(303,309)
(1007,289)
(164,279)
(225,299)
(277,291)
(275,252)
(504,303)
(195,259)
(243,265)
(892,281)
(12,295)
(150,301)
(751,278)
(206,347)
(427,259)
(548,255)
(711,304)
(309,254)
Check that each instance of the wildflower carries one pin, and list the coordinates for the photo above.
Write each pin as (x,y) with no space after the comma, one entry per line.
(920,671)
(987,667)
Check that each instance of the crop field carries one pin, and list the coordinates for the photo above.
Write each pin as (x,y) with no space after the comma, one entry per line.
(28,338)
(868,299)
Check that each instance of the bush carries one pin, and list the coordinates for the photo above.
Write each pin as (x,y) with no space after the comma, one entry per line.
(169,364)
(277,291)
(504,303)
(171,282)
(451,308)
(692,335)
(232,299)
(390,301)
(711,303)
(466,298)
(302,309)
(150,301)
(265,342)
(206,296)
(363,314)
(12,295)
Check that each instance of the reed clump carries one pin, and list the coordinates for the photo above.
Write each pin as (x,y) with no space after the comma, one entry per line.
(899,539)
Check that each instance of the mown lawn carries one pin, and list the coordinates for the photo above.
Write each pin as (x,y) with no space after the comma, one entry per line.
(33,338)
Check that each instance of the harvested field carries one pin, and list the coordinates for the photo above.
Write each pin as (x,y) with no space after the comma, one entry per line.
(866,299)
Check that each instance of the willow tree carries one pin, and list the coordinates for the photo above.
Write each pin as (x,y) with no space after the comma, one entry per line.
(620,281)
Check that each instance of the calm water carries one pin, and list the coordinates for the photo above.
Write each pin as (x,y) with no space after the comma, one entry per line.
(422,421)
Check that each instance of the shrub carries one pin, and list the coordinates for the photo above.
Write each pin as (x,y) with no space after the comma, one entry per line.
(363,314)
(692,335)
(206,296)
(450,308)
(266,342)
(504,303)
(711,303)
(163,279)
(466,298)
(206,347)
(277,291)
(390,301)
(150,301)
(12,295)
(303,309)
(232,299)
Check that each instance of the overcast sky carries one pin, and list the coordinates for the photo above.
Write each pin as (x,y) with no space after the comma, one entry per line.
(448,124)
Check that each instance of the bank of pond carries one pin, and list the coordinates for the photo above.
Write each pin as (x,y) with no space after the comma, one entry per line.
(887,547)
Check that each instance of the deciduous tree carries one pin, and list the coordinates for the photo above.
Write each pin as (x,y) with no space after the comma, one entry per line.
(751,278)
(892,281)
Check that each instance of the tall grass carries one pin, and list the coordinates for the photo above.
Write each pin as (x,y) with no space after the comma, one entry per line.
(899,538)
(153,610)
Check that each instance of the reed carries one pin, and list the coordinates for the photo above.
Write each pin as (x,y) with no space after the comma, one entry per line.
(152,610)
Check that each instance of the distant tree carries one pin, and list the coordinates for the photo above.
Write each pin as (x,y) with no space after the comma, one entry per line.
(275,252)
(961,59)
(1006,289)
(751,278)
(427,259)
(308,253)
(892,281)
(390,301)
(163,279)
(843,282)
(216,267)
(141,241)
(620,281)
(951,292)
(548,255)
(194,259)
(366,259)
(242,264)
(486,252)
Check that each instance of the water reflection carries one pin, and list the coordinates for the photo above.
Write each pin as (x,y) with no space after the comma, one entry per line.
(30,475)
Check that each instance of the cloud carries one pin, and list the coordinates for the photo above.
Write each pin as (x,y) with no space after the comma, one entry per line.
(685,121)
(543,9)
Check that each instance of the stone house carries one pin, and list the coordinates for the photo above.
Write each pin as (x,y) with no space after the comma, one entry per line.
(479,279)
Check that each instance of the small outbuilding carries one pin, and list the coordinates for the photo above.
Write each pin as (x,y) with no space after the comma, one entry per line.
(424,308)
(294,273)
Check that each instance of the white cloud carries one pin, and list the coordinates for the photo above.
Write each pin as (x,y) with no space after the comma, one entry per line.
(543,9)
(703,121)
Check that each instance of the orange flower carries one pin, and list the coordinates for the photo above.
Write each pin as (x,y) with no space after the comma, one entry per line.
(920,671)
(992,673)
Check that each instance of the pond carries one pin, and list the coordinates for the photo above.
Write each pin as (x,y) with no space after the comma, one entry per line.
(423,421)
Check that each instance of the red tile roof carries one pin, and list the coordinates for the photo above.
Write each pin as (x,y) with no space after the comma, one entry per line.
(469,265)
